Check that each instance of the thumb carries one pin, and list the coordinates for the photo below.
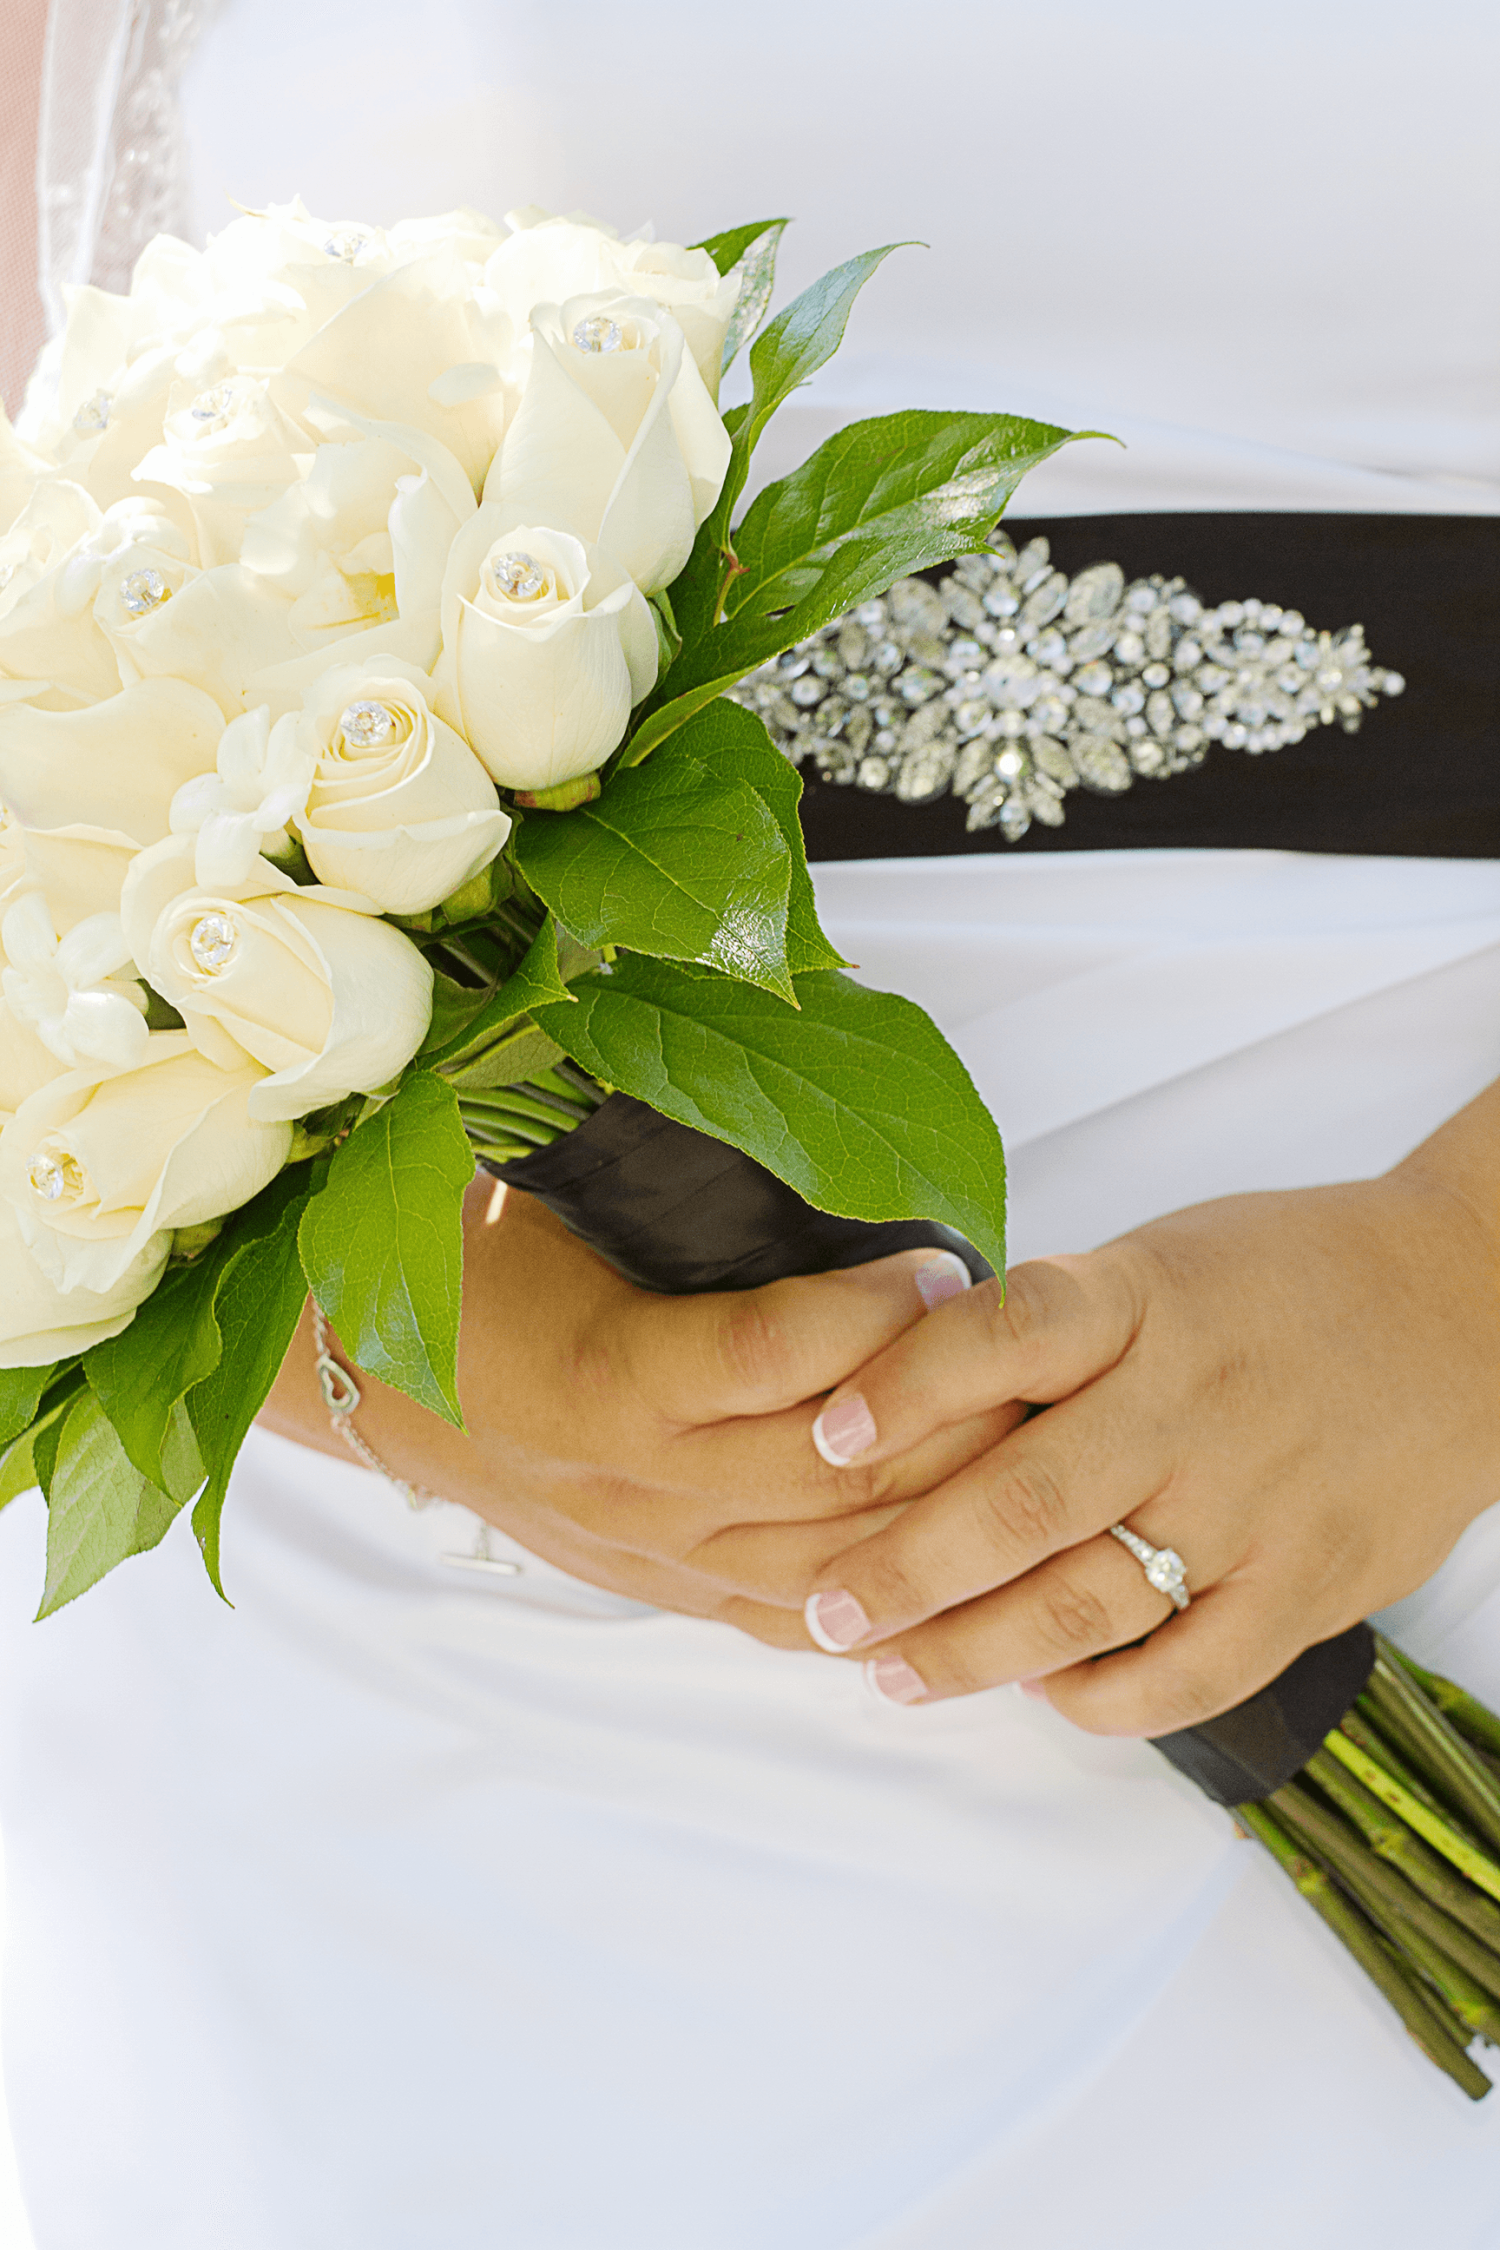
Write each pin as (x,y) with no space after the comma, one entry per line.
(1059,1323)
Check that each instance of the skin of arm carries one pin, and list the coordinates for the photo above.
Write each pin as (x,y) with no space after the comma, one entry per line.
(658,1446)
(1298,1392)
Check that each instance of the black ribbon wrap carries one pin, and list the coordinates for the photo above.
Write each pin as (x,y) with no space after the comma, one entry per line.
(674,1210)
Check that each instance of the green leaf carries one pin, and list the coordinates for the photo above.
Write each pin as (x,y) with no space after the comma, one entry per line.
(927,486)
(677,858)
(519,1052)
(100,1509)
(17,1467)
(804,335)
(855,517)
(858,1102)
(454,1007)
(382,1246)
(257,1306)
(537,977)
(21,1390)
(753,249)
(727,738)
(172,1344)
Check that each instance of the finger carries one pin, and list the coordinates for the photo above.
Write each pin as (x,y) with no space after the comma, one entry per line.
(1055,1482)
(1080,1605)
(704,1359)
(1224,1648)
(1061,1323)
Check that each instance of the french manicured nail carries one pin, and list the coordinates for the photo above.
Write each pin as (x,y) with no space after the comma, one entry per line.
(942,1277)
(1034,1689)
(836,1620)
(892,1677)
(841,1433)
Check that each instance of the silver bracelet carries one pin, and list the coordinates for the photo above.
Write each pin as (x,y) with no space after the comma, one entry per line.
(341,1396)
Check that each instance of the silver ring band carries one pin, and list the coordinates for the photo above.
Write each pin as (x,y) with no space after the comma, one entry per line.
(1164,1567)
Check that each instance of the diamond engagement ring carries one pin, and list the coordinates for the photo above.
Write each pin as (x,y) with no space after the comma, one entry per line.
(1164,1567)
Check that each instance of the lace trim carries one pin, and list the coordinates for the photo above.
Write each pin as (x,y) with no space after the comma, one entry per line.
(1011,684)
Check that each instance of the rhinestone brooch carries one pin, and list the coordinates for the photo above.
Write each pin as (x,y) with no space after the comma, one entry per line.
(1010,684)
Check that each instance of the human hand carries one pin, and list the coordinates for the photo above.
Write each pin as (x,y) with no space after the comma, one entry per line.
(658,1446)
(1297,1392)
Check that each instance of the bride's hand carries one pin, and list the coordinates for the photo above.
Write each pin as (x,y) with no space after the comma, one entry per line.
(1299,1393)
(658,1446)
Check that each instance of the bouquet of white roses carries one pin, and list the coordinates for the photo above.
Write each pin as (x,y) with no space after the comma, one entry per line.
(373,802)
(371,799)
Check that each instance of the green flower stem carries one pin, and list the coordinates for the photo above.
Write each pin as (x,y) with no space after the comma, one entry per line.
(1442,1838)
(1379,1888)
(1394,1842)
(521,1101)
(488,1123)
(1358,1726)
(1468,2001)
(1464,1712)
(1419,1728)
(1362,1940)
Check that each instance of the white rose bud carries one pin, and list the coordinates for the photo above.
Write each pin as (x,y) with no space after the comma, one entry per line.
(39,1323)
(616,438)
(547,644)
(69,990)
(547,259)
(400,808)
(120,761)
(100,1170)
(327,997)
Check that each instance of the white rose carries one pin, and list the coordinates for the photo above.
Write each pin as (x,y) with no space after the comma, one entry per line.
(100,1170)
(244,807)
(69,990)
(616,439)
(547,644)
(418,348)
(230,451)
(121,761)
(326,996)
(21,471)
(61,882)
(547,259)
(48,574)
(359,547)
(40,1324)
(400,808)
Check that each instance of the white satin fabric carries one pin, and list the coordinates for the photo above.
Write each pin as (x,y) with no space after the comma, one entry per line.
(402,1908)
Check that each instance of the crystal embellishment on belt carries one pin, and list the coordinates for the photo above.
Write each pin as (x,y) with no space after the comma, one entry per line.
(1010,684)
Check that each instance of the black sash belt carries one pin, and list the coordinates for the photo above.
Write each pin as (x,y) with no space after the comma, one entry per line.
(1421,778)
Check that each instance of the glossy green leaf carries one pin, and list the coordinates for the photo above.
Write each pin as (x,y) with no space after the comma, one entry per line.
(727,738)
(857,1101)
(21,1391)
(100,1509)
(382,1245)
(257,1305)
(677,858)
(789,350)
(927,486)
(753,249)
(855,517)
(537,977)
(172,1344)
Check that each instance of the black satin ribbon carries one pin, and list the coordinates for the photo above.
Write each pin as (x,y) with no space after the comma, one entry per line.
(674,1210)
(1420,779)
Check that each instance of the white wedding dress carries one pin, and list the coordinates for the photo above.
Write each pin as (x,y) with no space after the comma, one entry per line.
(408,1908)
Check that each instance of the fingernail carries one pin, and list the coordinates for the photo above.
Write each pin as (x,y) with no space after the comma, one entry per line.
(942,1277)
(892,1677)
(1034,1689)
(836,1620)
(841,1433)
